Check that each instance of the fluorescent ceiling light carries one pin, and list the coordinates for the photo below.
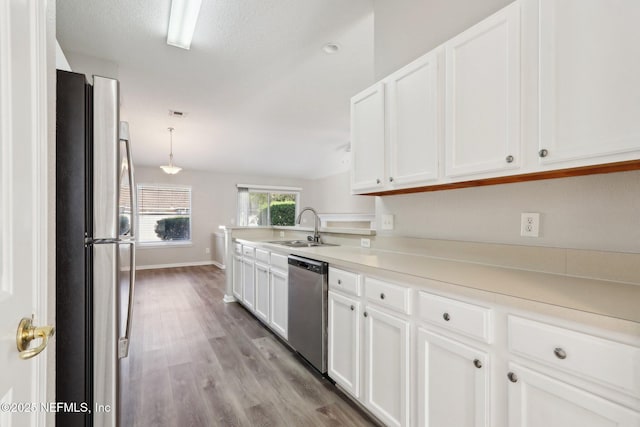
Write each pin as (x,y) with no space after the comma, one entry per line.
(182,22)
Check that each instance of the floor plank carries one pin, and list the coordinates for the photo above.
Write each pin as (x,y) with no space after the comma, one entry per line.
(196,361)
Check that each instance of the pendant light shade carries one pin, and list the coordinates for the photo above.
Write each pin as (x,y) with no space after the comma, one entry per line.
(171,169)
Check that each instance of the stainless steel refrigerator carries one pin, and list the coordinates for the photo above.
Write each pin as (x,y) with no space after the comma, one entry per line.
(95,249)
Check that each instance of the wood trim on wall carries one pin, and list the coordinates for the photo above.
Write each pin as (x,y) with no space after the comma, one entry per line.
(534,176)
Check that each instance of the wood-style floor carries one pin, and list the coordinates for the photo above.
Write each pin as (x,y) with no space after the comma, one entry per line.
(196,361)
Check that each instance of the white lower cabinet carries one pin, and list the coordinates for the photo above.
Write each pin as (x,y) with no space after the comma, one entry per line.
(537,400)
(344,342)
(279,292)
(386,365)
(248,285)
(263,296)
(237,276)
(452,383)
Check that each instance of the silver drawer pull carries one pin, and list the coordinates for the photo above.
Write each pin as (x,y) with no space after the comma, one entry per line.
(512,377)
(366,314)
(339,282)
(352,308)
(477,363)
(543,153)
(381,296)
(560,353)
(446,317)
(509,159)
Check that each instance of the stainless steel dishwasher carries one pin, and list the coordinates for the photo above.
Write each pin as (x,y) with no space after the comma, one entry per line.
(308,287)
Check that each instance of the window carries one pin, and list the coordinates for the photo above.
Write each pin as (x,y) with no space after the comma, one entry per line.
(164,214)
(265,206)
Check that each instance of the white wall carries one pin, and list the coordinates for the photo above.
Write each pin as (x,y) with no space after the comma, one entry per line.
(598,212)
(333,195)
(407,29)
(213,203)
(91,65)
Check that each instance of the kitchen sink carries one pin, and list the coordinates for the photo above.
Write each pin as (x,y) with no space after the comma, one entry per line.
(299,243)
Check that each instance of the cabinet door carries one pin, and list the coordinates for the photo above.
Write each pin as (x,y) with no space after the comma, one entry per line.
(536,400)
(279,315)
(413,100)
(367,140)
(387,367)
(482,118)
(237,277)
(344,342)
(589,80)
(453,383)
(248,285)
(262,291)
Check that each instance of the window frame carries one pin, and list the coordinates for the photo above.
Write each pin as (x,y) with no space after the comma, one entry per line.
(268,190)
(163,243)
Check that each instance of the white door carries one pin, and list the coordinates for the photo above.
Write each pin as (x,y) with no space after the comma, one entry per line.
(589,81)
(453,383)
(482,129)
(536,400)
(414,123)
(24,215)
(279,316)
(367,140)
(344,342)
(262,291)
(387,367)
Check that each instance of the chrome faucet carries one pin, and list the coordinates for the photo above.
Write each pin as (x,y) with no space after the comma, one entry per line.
(316,233)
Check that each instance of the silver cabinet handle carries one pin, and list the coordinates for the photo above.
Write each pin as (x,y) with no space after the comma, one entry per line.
(509,159)
(543,153)
(477,363)
(560,353)
(366,314)
(339,282)
(512,377)
(353,307)
(446,317)
(390,179)
(382,296)
(377,180)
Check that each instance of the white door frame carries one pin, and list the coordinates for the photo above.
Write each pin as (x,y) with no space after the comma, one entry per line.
(27,205)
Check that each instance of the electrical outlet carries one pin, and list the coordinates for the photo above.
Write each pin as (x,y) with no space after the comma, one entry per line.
(207,250)
(530,224)
(365,243)
(387,222)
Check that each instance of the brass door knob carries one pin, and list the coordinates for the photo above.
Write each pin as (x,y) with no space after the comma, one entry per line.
(27,333)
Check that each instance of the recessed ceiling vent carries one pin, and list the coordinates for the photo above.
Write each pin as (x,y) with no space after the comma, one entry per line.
(177,114)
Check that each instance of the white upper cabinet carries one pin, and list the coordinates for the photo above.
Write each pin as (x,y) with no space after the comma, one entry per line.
(589,82)
(482,117)
(414,130)
(367,140)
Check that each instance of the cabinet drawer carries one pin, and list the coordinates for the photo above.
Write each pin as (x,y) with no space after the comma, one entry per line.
(467,319)
(609,362)
(237,248)
(262,255)
(387,294)
(248,251)
(344,281)
(279,261)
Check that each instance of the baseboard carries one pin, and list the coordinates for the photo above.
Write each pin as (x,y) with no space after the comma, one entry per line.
(227,299)
(177,264)
(220,266)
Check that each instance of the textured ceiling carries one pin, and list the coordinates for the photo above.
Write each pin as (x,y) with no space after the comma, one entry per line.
(261,96)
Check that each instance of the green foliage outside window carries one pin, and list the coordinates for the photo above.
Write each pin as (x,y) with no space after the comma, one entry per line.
(176,228)
(283,213)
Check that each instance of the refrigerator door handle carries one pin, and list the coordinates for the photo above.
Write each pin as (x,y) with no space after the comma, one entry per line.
(123,342)
(132,190)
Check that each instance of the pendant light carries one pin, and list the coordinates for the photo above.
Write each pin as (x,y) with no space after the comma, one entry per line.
(171,169)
